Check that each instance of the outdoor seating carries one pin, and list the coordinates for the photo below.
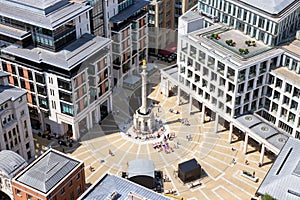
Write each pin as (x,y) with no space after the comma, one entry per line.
(173,191)
(195,184)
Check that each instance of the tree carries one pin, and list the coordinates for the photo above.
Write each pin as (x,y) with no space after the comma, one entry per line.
(267,197)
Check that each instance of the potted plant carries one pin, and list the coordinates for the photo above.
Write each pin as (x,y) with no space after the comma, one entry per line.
(246,51)
(248,42)
(215,36)
(253,43)
(241,51)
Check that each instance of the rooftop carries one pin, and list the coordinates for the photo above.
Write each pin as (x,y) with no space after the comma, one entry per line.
(13,32)
(129,11)
(109,184)
(141,167)
(47,171)
(239,39)
(67,58)
(263,130)
(191,15)
(228,52)
(273,7)
(283,179)
(290,75)
(11,162)
(293,47)
(49,14)
(8,92)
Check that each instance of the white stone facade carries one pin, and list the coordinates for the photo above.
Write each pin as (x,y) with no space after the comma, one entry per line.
(230,84)
(15,129)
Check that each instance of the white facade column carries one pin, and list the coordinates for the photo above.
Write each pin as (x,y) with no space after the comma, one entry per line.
(203,113)
(216,123)
(110,103)
(178,95)
(262,154)
(246,143)
(190,104)
(90,120)
(230,132)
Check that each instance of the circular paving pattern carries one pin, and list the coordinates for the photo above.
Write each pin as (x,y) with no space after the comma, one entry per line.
(190,139)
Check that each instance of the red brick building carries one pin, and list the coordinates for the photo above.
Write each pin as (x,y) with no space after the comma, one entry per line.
(53,176)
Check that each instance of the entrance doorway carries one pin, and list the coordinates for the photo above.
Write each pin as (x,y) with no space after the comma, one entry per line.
(103,110)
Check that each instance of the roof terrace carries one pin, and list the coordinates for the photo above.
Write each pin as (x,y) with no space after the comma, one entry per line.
(232,45)
(239,43)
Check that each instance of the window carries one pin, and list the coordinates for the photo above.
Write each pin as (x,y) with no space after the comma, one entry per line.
(78,190)
(29,197)
(51,80)
(62,191)
(19,193)
(78,176)
(53,105)
(70,183)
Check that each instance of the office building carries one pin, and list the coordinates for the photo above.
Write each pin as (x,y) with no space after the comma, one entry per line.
(48,50)
(233,60)
(127,25)
(15,129)
(96,16)
(182,6)
(10,164)
(51,176)
(163,21)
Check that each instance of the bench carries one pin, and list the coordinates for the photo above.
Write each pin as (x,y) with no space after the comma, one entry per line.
(249,176)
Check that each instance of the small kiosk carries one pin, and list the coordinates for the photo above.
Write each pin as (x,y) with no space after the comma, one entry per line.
(189,171)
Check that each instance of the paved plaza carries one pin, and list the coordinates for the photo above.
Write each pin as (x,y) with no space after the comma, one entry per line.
(221,177)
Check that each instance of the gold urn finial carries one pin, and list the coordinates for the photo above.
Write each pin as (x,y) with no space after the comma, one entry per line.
(144,64)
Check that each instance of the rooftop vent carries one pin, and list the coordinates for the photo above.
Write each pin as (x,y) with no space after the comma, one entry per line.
(113,196)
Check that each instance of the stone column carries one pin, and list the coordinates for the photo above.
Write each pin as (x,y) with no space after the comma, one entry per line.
(230,132)
(178,96)
(143,108)
(203,113)
(216,123)
(262,154)
(246,143)
(190,104)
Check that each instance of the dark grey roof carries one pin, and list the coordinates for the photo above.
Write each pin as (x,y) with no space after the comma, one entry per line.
(47,171)
(263,130)
(270,6)
(109,184)
(48,14)
(67,58)
(126,13)
(43,5)
(8,92)
(248,120)
(278,140)
(11,163)
(3,74)
(13,32)
(282,180)
(141,167)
